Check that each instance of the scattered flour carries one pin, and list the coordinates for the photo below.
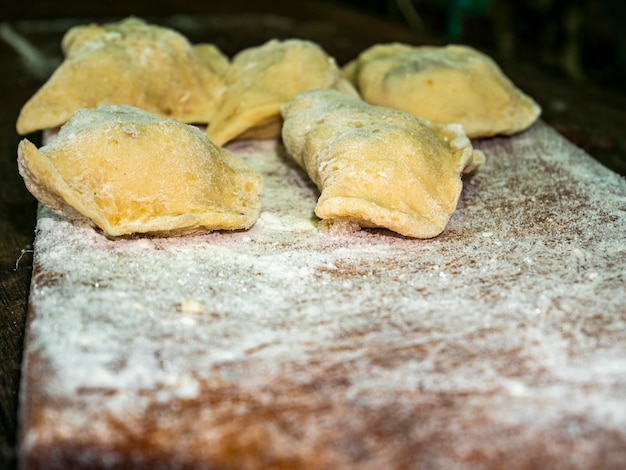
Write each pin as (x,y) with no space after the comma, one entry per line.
(506,333)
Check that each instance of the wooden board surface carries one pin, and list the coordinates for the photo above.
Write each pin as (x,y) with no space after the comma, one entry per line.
(501,343)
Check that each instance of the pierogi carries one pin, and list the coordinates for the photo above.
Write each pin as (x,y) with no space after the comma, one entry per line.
(128,62)
(260,79)
(452,84)
(377,166)
(129,171)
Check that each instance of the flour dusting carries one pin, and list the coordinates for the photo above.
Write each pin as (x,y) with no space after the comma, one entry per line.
(503,341)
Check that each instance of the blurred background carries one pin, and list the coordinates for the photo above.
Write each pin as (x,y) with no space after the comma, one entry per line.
(583,41)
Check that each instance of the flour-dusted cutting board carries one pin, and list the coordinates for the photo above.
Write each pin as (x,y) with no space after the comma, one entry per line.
(499,344)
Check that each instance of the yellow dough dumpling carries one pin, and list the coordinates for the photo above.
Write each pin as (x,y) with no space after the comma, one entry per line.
(261,79)
(377,166)
(213,58)
(129,171)
(128,62)
(443,84)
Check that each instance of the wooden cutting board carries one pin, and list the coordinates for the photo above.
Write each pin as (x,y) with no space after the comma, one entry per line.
(499,344)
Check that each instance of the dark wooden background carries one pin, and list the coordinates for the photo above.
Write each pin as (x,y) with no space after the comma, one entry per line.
(588,109)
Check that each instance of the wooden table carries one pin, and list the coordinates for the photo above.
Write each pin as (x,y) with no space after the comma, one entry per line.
(591,118)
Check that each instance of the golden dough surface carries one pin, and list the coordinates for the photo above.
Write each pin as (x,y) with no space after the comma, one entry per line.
(260,79)
(443,84)
(377,166)
(213,58)
(129,171)
(128,62)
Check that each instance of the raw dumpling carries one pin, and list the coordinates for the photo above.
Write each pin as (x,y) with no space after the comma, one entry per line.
(261,79)
(378,166)
(213,58)
(132,172)
(127,62)
(443,84)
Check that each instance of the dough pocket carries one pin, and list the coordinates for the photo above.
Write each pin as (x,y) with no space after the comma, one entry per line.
(129,171)
(451,84)
(377,166)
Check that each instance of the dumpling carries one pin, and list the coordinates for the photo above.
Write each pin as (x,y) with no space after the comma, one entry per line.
(261,79)
(443,84)
(127,62)
(213,58)
(377,166)
(129,171)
